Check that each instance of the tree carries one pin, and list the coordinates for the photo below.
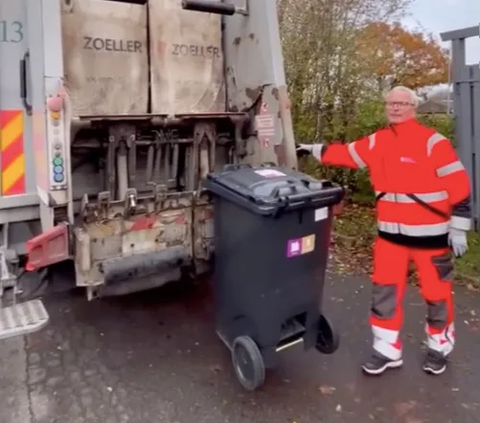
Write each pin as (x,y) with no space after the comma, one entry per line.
(325,79)
(397,56)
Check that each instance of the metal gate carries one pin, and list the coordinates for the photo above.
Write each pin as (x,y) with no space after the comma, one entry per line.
(466,107)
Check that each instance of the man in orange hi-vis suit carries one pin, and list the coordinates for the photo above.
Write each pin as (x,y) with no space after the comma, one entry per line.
(423,214)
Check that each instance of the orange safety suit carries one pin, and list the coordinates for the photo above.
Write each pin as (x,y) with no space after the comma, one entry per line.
(422,189)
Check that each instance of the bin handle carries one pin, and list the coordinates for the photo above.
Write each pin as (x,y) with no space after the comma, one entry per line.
(231,167)
(291,186)
(268,164)
(299,198)
(325,182)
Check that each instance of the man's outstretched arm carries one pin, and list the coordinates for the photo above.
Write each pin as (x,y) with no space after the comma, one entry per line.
(355,155)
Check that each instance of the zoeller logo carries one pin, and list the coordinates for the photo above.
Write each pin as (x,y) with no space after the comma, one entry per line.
(110,44)
(194,50)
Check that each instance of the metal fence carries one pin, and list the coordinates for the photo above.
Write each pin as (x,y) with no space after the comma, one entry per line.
(466,108)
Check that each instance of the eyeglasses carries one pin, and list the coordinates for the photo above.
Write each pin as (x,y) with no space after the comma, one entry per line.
(399,104)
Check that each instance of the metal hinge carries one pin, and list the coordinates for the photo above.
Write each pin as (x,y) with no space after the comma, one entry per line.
(8,280)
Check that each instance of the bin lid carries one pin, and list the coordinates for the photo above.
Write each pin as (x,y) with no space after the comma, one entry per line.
(269,189)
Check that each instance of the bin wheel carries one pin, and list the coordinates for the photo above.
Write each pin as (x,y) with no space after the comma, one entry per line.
(248,363)
(328,338)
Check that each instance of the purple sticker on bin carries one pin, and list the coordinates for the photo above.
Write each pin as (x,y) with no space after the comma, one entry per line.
(299,246)
(294,247)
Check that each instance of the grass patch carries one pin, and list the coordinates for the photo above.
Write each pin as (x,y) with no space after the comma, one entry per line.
(353,238)
(354,235)
(467,266)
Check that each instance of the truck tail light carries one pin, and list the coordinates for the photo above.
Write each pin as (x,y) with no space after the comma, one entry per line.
(54,107)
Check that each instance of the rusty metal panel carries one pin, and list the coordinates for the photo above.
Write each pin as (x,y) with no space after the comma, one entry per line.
(259,83)
(187,73)
(203,231)
(105,56)
(110,239)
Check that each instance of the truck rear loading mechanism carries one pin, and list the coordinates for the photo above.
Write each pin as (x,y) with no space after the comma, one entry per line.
(104,149)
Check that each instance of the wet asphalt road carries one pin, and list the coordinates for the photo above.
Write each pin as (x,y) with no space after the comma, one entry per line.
(154,358)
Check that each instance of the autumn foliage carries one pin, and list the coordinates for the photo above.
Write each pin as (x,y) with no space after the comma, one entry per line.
(397,56)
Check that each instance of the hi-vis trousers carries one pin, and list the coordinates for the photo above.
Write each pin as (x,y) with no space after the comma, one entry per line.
(435,271)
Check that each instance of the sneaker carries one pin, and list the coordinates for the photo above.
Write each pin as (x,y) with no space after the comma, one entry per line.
(377,364)
(435,363)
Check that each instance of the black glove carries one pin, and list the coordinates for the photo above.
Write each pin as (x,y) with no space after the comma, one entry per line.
(303,149)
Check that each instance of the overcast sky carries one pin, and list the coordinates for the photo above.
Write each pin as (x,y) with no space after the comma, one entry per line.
(438,16)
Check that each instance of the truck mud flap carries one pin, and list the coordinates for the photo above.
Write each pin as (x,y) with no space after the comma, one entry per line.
(48,248)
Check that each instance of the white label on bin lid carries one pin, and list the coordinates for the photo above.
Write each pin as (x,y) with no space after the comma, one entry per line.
(321,214)
(269,173)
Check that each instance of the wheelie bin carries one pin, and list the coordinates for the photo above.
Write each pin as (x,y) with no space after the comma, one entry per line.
(272,232)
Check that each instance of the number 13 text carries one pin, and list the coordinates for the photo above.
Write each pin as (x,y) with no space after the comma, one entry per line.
(11,32)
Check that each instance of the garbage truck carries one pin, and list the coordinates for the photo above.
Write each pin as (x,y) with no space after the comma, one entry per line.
(112,113)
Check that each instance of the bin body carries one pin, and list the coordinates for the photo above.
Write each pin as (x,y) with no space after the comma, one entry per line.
(272,235)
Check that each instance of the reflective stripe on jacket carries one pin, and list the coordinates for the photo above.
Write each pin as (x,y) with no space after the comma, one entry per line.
(422,187)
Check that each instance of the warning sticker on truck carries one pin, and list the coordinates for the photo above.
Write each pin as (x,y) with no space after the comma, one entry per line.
(265,125)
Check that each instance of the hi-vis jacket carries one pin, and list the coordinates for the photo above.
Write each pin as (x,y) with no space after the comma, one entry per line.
(421,187)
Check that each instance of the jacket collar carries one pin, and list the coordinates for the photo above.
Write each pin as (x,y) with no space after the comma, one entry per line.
(398,128)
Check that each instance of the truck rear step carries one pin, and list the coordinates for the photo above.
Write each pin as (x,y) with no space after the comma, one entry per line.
(18,318)
(22,318)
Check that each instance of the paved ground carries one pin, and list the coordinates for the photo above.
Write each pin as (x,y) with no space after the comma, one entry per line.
(154,358)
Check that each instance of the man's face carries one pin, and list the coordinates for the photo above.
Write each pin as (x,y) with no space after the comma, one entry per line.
(399,107)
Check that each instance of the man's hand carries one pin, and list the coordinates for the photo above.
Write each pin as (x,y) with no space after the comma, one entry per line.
(314,149)
(458,241)
(304,149)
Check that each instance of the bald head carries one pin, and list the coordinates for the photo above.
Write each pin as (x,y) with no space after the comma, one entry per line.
(401,104)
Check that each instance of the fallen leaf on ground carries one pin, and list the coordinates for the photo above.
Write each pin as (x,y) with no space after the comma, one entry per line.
(327,390)
(402,408)
(351,386)
(352,241)
(216,368)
